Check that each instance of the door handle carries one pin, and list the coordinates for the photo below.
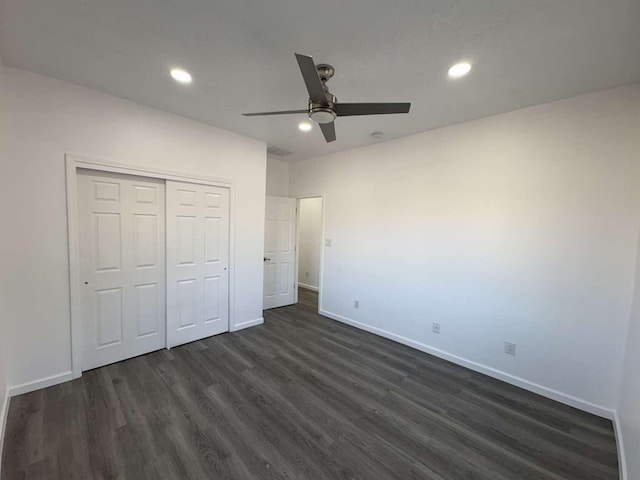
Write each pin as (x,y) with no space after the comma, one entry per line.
(266,259)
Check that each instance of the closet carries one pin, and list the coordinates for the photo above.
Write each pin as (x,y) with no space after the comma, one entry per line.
(154,264)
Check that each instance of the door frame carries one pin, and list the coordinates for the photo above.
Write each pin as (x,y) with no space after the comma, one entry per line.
(75,161)
(322,247)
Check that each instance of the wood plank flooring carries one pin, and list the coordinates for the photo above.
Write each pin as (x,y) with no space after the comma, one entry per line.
(301,397)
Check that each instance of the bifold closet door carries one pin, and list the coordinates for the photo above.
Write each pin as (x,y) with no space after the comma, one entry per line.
(122,253)
(197,262)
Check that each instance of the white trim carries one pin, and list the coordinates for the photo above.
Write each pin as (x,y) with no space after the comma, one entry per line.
(478,367)
(4,414)
(104,165)
(75,161)
(250,323)
(73,236)
(622,459)
(39,384)
(232,255)
(308,287)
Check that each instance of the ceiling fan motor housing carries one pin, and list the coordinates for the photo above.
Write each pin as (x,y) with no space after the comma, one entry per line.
(321,113)
(324,113)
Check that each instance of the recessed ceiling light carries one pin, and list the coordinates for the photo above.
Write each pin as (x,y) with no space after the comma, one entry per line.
(459,70)
(304,126)
(180,75)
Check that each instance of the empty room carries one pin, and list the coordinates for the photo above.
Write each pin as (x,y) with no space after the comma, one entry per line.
(315,241)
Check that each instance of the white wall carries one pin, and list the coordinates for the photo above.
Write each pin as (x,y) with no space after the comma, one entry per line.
(49,118)
(277,177)
(519,227)
(629,403)
(5,277)
(309,241)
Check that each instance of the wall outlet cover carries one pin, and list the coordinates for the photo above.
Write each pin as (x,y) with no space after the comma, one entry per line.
(356,304)
(327,242)
(436,327)
(509,348)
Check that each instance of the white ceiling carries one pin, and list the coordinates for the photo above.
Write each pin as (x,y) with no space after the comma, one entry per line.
(240,53)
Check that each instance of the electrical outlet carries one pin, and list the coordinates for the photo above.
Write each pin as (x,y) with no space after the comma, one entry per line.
(436,328)
(356,304)
(509,348)
(327,242)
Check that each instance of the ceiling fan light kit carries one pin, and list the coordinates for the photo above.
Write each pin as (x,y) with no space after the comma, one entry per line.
(324,107)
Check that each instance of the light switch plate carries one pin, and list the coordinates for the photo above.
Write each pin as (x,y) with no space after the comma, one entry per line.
(327,242)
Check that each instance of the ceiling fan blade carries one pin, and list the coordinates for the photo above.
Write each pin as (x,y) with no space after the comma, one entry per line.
(350,109)
(329,131)
(311,79)
(284,112)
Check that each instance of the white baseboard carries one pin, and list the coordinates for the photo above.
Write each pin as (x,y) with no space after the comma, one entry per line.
(308,287)
(4,413)
(478,367)
(250,323)
(41,383)
(622,459)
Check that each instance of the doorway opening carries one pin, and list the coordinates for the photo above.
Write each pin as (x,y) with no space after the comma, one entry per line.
(309,251)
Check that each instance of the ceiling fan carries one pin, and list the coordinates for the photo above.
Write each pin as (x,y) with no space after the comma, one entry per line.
(324,107)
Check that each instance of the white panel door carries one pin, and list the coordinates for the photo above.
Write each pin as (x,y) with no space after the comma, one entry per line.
(197,262)
(122,253)
(279,252)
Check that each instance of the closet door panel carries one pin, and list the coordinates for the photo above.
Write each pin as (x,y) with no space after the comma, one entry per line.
(122,251)
(197,262)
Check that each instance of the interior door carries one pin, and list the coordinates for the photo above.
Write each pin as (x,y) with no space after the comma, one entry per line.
(197,262)
(279,252)
(122,251)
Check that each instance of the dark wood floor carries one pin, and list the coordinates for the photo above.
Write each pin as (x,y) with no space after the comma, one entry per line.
(301,397)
